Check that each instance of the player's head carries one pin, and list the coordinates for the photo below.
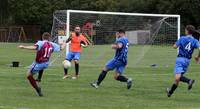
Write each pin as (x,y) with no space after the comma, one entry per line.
(46,36)
(189,29)
(121,33)
(77,30)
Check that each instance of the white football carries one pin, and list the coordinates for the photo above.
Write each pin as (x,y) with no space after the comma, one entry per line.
(66,64)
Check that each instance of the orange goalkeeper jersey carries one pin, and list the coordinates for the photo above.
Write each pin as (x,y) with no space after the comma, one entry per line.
(76,42)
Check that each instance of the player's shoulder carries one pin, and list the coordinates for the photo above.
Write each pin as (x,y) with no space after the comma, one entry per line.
(72,34)
(186,38)
(183,37)
(39,42)
(82,35)
(195,40)
(53,43)
(122,39)
(190,39)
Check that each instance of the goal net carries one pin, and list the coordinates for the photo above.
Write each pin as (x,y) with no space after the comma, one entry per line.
(149,35)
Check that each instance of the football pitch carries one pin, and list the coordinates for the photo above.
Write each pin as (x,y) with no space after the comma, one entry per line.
(150,67)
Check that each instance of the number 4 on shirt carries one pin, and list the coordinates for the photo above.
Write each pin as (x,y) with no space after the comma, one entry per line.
(188,46)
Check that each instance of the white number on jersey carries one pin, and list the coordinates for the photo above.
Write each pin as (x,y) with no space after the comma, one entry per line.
(47,52)
(188,46)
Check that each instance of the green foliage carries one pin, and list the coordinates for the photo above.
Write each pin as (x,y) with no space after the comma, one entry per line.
(39,12)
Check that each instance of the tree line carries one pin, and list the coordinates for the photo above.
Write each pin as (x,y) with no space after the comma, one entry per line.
(40,12)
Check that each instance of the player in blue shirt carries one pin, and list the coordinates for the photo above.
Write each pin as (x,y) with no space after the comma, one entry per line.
(44,50)
(119,61)
(186,45)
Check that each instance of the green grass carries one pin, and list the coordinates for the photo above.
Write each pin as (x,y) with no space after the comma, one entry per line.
(148,91)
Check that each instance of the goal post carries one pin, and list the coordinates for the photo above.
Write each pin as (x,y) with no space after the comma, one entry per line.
(165,17)
(65,17)
(100,27)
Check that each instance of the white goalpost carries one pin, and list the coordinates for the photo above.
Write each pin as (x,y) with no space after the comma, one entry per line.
(99,26)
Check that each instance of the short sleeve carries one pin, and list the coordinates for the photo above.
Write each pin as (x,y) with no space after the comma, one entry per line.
(197,45)
(38,45)
(178,42)
(119,41)
(56,47)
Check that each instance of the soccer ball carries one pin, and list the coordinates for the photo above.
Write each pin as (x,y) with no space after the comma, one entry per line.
(66,64)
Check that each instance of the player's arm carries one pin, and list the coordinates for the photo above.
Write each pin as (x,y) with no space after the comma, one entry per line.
(117,45)
(58,47)
(175,46)
(87,39)
(62,46)
(198,56)
(69,39)
(197,45)
(88,42)
(28,47)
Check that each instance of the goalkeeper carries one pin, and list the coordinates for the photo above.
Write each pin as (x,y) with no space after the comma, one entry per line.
(78,40)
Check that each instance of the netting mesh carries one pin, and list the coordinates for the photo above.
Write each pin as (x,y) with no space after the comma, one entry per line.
(162,30)
(144,31)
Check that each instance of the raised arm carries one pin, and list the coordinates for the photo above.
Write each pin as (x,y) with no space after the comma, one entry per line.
(117,45)
(28,47)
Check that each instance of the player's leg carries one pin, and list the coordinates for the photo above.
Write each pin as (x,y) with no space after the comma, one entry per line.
(174,85)
(101,77)
(178,71)
(40,73)
(184,79)
(31,72)
(189,81)
(110,65)
(34,84)
(69,58)
(76,62)
(76,74)
(118,75)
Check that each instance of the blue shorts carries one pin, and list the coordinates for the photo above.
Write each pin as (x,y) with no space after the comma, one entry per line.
(36,67)
(115,64)
(73,56)
(181,65)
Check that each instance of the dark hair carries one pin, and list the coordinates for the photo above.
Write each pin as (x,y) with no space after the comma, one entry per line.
(46,36)
(121,31)
(190,29)
(76,26)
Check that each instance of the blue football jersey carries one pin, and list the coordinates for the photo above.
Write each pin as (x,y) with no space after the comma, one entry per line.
(186,45)
(121,54)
